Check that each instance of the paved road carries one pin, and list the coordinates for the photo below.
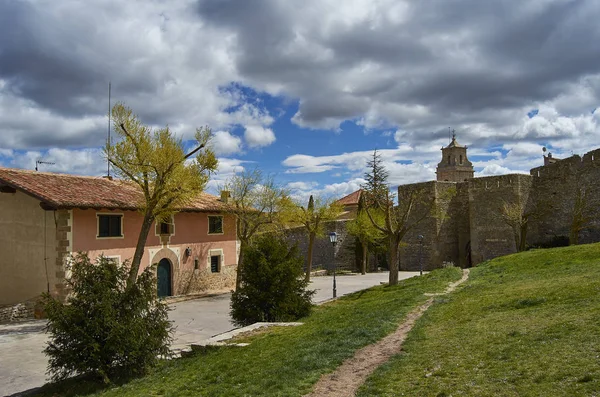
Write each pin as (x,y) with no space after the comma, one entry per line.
(23,365)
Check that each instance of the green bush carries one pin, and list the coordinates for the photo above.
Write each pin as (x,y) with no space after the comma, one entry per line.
(273,287)
(106,328)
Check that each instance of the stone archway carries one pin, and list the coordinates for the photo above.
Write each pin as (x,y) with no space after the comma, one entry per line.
(166,254)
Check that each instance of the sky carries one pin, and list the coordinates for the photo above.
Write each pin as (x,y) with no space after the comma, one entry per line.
(304,91)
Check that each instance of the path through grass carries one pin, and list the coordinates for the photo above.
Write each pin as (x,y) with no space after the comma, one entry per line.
(524,325)
(286,361)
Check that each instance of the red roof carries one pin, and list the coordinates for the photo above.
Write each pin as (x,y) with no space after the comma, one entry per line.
(351,199)
(73,191)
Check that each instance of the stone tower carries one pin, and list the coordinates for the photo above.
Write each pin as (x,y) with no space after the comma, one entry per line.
(455,166)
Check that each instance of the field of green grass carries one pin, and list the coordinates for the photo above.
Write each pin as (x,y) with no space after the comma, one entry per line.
(524,325)
(285,361)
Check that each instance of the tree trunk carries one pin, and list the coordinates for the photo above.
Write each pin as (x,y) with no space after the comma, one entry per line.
(311,243)
(364,258)
(240,264)
(394,241)
(139,249)
(523,242)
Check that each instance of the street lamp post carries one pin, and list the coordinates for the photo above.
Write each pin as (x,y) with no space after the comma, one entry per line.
(420,237)
(333,239)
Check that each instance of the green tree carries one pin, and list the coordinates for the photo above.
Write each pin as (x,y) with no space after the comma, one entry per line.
(156,162)
(106,327)
(312,218)
(258,204)
(363,229)
(273,289)
(375,187)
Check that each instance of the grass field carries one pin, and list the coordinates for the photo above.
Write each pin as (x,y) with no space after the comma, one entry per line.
(524,325)
(285,361)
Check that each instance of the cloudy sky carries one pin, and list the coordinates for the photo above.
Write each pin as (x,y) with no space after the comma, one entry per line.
(304,90)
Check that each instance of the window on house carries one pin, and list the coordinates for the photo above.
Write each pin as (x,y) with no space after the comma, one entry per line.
(448,159)
(215,224)
(461,158)
(110,226)
(215,263)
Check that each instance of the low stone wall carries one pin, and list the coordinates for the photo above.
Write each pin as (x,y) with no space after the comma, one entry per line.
(17,312)
(203,280)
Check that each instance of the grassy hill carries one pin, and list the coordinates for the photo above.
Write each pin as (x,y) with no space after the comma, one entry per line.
(525,325)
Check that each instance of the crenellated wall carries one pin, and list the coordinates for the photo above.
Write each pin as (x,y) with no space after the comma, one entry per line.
(466,226)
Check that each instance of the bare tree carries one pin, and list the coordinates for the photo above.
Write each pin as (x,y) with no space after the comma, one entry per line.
(414,205)
(313,218)
(258,204)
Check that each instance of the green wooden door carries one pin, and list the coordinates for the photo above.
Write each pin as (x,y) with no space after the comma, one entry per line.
(163,276)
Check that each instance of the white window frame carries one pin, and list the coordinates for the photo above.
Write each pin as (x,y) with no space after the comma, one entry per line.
(222,225)
(98,237)
(216,252)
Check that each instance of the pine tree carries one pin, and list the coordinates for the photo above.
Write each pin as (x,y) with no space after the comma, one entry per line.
(375,188)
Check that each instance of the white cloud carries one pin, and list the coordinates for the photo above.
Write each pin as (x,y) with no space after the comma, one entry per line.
(225,143)
(257,136)
(75,161)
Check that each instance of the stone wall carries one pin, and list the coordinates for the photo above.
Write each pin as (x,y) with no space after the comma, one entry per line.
(491,236)
(323,252)
(555,190)
(17,312)
(203,280)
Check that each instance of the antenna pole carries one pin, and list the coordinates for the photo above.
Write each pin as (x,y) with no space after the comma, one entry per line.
(108,140)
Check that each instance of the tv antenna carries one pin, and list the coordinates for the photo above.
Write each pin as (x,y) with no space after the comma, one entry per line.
(38,162)
(108,139)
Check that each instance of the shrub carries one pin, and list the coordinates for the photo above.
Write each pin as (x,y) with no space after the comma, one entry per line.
(273,287)
(106,327)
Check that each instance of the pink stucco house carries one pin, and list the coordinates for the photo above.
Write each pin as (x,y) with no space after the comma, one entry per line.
(47,216)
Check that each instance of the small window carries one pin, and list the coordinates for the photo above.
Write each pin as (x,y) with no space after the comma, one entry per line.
(165,228)
(109,225)
(461,158)
(448,159)
(215,263)
(215,225)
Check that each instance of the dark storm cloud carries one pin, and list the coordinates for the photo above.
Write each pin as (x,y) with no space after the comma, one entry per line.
(460,58)
(478,66)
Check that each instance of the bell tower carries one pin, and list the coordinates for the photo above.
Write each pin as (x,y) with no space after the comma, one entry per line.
(455,166)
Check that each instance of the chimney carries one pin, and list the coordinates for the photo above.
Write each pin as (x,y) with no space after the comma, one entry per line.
(225,194)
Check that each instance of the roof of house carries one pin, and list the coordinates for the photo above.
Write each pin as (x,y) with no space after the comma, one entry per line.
(351,199)
(73,191)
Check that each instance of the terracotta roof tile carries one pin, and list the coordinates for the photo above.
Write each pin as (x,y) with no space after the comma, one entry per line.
(73,191)
(351,199)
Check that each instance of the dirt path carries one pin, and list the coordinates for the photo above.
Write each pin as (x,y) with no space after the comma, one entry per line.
(347,378)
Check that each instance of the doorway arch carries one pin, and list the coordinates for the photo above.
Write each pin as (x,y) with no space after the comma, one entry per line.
(163,278)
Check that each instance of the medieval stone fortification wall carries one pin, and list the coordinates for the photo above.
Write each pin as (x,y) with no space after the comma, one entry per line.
(466,226)
(559,192)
